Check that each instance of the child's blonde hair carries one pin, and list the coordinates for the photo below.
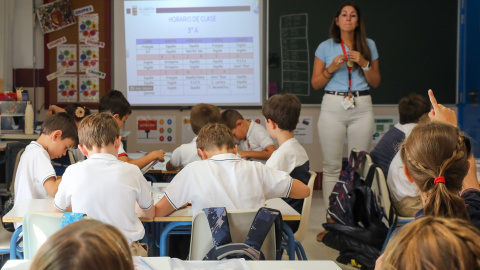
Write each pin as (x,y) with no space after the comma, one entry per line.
(438,150)
(215,135)
(99,129)
(434,243)
(85,244)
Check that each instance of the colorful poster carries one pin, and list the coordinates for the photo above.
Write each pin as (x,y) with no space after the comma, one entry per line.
(88,27)
(89,57)
(382,125)
(67,57)
(156,129)
(54,16)
(304,130)
(67,88)
(89,88)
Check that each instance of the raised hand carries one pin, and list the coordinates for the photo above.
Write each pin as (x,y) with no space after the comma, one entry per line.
(440,112)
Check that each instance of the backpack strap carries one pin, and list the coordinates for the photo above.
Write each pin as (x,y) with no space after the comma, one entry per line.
(370,175)
(261,225)
(219,227)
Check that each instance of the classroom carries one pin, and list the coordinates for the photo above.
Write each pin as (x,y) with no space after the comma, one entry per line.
(256,50)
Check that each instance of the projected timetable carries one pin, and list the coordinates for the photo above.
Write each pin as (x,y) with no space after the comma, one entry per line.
(195,66)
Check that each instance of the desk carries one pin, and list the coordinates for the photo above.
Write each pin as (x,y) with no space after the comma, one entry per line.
(19,136)
(160,167)
(163,263)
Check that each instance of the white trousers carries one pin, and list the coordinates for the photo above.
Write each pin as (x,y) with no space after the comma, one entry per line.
(333,124)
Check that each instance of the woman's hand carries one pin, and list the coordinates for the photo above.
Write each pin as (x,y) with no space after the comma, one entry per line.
(356,57)
(336,63)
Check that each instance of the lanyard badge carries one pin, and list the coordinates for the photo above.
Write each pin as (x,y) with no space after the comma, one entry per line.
(348,101)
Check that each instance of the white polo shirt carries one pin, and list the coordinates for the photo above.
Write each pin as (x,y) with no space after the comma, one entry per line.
(106,189)
(121,151)
(288,156)
(33,169)
(257,139)
(225,180)
(397,181)
(184,154)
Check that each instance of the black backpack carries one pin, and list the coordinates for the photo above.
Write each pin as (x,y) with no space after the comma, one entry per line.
(359,244)
(223,248)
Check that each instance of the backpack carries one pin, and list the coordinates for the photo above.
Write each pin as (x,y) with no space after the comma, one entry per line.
(6,208)
(223,248)
(339,207)
(359,244)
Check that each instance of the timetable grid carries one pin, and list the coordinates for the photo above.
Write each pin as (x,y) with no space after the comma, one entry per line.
(196,66)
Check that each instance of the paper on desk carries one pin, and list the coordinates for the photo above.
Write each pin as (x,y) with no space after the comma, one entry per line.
(140,264)
(232,264)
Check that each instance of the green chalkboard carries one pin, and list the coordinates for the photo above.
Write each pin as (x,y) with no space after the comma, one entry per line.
(416,42)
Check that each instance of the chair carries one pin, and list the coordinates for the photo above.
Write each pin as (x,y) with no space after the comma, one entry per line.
(302,227)
(365,165)
(382,196)
(13,158)
(37,227)
(240,222)
(5,238)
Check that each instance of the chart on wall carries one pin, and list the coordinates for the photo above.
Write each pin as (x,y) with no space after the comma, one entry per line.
(382,125)
(203,51)
(156,129)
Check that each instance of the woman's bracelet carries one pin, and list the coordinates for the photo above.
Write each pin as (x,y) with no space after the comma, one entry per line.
(328,71)
(323,73)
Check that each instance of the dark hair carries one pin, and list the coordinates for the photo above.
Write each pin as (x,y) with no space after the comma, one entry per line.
(203,114)
(115,103)
(412,107)
(230,118)
(85,244)
(63,122)
(72,108)
(215,135)
(437,149)
(360,35)
(99,129)
(284,110)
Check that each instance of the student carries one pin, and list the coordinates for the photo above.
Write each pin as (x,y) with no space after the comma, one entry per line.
(281,113)
(200,115)
(254,139)
(410,109)
(223,179)
(35,177)
(439,161)
(85,244)
(103,187)
(115,103)
(433,243)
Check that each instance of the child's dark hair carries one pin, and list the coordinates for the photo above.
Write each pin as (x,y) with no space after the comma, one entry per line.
(284,110)
(115,102)
(203,114)
(412,107)
(433,151)
(77,111)
(63,122)
(230,118)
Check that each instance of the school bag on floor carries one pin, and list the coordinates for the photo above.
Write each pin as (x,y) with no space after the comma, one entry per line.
(223,248)
(359,243)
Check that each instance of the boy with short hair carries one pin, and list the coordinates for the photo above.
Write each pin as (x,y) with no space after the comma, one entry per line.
(281,113)
(223,179)
(35,177)
(200,115)
(114,102)
(253,138)
(104,187)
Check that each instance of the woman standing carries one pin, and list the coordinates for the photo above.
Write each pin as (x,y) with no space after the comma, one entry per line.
(346,65)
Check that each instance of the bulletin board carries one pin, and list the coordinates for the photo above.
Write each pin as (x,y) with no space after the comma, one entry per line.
(87,72)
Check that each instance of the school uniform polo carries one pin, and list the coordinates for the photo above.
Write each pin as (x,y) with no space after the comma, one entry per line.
(291,158)
(33,169)
(226,180)
(184,154)
(106,189)
(257,139)
(121,151)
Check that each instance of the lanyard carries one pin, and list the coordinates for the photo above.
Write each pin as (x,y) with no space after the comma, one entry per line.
(349,68)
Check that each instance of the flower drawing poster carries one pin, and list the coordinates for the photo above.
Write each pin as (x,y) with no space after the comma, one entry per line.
(54,16)
(89,57)
(88,27)
(67,57)
(89,88)
(67,88)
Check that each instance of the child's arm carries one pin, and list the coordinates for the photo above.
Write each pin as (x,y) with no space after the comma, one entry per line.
(53,109)
(51,185)
(170,167)
(299,190)
(143,161)
(163,208)
(263,155)
(146,213)
(55,209)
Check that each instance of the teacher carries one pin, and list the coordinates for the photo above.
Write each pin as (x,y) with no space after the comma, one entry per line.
(346,65)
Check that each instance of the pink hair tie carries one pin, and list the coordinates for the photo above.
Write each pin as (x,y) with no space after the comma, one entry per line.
(439,179)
